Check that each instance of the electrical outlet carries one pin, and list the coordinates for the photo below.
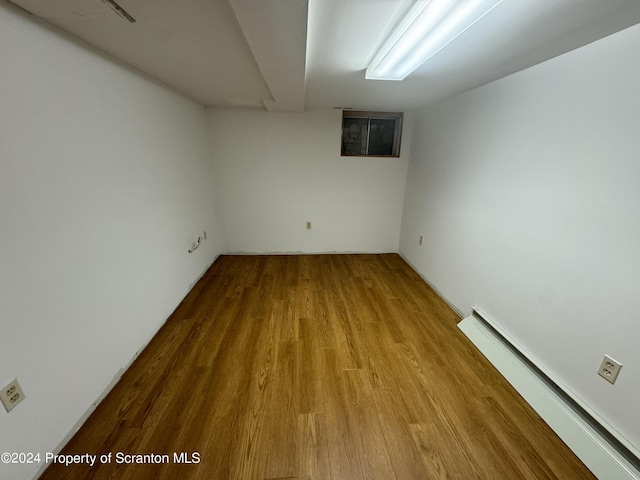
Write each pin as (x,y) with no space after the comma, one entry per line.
(308,225)
(609,369)
(421,239)
(11,395)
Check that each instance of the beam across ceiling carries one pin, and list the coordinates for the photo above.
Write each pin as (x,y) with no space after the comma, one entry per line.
(279,52)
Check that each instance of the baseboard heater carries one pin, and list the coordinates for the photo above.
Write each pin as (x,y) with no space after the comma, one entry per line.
(604,452)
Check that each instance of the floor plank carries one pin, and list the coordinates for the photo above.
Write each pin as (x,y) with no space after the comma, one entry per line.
(317,367)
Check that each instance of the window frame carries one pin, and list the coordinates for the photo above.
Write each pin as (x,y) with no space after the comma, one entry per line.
(371,115)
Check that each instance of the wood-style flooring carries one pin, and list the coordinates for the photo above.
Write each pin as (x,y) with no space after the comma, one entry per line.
(329,367)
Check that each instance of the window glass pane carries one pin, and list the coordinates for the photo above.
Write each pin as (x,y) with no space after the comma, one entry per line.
(354,136)
(381,136)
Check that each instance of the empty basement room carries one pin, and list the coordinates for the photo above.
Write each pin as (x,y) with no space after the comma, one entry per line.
(318,239)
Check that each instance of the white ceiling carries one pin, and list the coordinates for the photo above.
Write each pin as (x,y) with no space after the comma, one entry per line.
(288,55)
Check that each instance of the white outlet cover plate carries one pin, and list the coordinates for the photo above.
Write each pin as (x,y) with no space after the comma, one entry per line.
(11,395)
(609,369)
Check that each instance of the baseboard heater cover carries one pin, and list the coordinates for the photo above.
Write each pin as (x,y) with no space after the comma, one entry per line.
(600,450)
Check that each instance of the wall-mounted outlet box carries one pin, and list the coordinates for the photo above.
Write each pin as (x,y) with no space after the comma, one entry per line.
(11,395)
(609,369)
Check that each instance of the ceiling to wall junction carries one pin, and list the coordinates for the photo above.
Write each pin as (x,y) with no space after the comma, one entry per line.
(289,55)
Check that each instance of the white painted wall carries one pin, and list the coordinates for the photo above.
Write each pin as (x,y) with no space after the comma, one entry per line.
(105,181)
(527,193)
(275,171)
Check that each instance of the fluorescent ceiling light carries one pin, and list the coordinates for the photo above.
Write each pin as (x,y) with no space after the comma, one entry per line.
(428,27)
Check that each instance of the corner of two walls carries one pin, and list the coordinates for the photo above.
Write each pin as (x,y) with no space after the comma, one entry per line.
(526,192)
(106,183)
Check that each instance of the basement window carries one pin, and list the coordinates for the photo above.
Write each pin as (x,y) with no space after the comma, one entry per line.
(371,134)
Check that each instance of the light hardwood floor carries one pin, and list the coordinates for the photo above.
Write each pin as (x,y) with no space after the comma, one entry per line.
(330,367)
